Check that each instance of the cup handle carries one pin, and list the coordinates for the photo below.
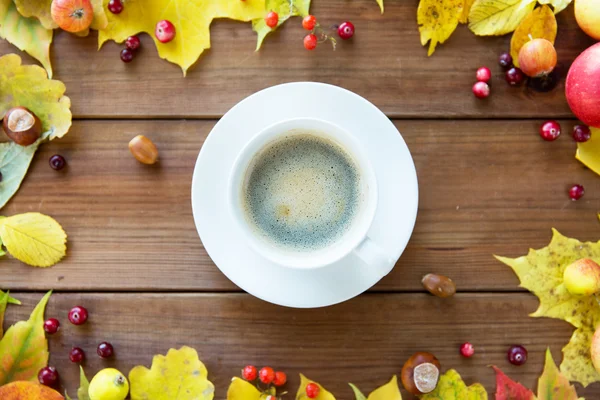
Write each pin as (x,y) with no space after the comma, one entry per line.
(374,256)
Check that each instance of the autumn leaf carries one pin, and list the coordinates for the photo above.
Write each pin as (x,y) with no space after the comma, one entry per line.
(240,389)
(323,393)
(34,238)
(507,389)
(191,19)
(26,34)
(540,23)
(285,9)
(24,348)
(552,384)
(23,390)
(389,391)
(498,17)
(464,17)
(40,9)
(179,375)
(541,272)
(5,299)
(437,20)
(558,5)
(84,387)
(452,387)
(589,152)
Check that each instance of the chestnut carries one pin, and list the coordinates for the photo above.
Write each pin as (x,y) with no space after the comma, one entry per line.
(22,126)
(421,373)
(439,285)
(143,149)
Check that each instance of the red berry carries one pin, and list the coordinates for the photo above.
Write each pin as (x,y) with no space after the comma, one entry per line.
(57,162)
(272,19)
(481,90)
(581,133)
(249,372)
(309,22)
(576,192)
(51,326)
(310,41)
(127,55)
(280,378)
(346,30)
(514,76)
(115,6)
(550,130)
(517,355)
(266,375)
(76,355)
(105,350)
(483,74)
(133,42)
(48,376)
(78,315)
(164,31)
(467,350)
(505,60)
(312,390)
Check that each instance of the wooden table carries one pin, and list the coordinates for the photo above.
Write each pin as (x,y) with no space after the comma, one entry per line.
(488,185)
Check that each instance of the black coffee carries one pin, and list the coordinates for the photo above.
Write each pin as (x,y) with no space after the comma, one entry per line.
(302,192)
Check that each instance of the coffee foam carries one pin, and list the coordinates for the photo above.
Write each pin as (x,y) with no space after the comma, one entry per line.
(302,192)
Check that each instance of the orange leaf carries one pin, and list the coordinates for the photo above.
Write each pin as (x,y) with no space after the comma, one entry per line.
(540,23)
(27,391)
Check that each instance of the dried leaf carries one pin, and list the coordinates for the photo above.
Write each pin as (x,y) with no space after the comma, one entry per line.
(552,384)
(437,20)
(541,272)
(34,238)
(323,393)
(558,5)
(498,17)
(191,19)
(179,375)
(452,387)
(464,17)
(26,34)
(24,348)
(589,152)
(540,23)
(507,389)
(389,391)
(285,9)
(23,390)
(240,389)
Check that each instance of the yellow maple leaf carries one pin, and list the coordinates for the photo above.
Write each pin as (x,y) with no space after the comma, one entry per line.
(589,152)
(437,20)
(179,375)
(540,23)
(389,391)
(240,389)
(40,9)
(464,17)
(558,5)
(498,17)
(34,238)
(191,19)
(452,387)
(323,393)
(285,9)
(541,272)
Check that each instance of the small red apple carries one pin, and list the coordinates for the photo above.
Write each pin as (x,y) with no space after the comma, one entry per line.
(583,86)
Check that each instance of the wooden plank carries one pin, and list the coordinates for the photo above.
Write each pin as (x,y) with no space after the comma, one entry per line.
(364,341)
(384,62)
(485,188)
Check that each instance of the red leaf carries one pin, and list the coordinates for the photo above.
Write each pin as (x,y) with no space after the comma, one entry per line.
(507,389)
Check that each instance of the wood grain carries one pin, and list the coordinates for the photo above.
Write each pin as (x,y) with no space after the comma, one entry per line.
(364,341)
(384,62)
(486,187)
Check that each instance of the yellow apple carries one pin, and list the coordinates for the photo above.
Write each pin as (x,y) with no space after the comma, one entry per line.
(587,14)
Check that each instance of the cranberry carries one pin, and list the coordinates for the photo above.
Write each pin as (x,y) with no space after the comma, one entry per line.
(514,76)
(576,192)
(346,30)
(115,6)
(517,355)
(105,350)
(280,378)
(164,31)
(481,90)
(550,130)
(249,373)
(505,60)
(133,43)
(76,355)
(78,315)
(126,55)
(266,375)
(309,22)
(57,162)
(312,390)
(272,19)
(467,350)
(310,41)
(581,133)
(483,74)
(51,326)
(48,376)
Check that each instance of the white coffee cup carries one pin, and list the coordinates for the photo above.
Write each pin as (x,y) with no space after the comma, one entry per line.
(356,240)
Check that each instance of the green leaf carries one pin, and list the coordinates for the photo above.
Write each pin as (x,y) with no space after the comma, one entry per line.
(84,386)
(3,303)
(2,252)
(26,34)
(552,384)
(285,9)
(24,348)
(498,17)
(357,393)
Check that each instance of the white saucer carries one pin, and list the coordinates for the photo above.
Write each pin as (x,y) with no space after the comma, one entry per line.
(391,160)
